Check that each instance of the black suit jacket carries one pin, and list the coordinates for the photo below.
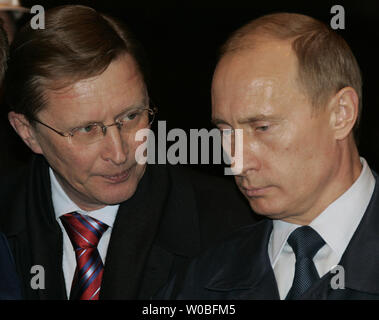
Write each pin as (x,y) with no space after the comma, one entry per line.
(10,288)
(173,215)
(240,268)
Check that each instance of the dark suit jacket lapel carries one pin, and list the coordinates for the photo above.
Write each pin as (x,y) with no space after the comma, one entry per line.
(360,260)
(44,232)
(134,231)
(249,275)
(34,234)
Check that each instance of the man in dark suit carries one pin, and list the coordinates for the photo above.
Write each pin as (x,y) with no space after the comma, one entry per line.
(294,87)
(96,221)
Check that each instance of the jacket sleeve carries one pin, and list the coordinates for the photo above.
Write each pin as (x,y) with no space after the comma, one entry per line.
(9,283)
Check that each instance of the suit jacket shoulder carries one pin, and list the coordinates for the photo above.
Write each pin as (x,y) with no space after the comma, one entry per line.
(221,206)
(231,269)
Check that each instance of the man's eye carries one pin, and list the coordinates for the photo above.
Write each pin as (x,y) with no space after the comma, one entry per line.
(263,128)
(87,129)
(131,116)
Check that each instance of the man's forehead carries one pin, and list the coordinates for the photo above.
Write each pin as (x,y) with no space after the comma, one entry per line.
(247,113)
(254,82)
(118,88)
(268,58)
(118,74)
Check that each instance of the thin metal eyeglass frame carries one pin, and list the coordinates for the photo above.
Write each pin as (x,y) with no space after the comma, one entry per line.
(104,127)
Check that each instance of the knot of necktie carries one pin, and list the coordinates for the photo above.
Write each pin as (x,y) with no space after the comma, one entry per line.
(305,242)
(83,231)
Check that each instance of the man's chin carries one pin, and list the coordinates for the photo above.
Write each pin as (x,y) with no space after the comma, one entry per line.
(263,208)
(113,193)
(114,198)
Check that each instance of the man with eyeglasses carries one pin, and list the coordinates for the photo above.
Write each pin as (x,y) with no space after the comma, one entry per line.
(99,223)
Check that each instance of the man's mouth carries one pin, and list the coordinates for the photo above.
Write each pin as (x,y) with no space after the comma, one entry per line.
(119,177)
(255,192)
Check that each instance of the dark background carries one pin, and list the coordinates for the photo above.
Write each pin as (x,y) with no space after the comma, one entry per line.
(182,38)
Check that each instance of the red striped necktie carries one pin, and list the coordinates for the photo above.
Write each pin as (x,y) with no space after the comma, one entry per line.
(85,233)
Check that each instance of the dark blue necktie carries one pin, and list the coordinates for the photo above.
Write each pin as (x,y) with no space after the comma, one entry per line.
(305,242)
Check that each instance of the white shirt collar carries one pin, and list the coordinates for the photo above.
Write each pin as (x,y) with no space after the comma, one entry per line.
(337,223)
(63,204)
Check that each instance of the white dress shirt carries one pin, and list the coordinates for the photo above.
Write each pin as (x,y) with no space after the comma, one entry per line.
(62,205)
(336,225)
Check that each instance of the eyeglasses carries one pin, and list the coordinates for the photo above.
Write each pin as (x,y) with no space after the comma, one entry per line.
(126,124)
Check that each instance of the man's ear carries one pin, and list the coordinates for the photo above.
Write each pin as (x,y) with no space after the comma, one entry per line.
(25,130)
(344,112)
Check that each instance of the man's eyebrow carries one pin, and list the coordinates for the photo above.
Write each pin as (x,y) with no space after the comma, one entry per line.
(259,117)
(132,107)
(144,103)
(84,123)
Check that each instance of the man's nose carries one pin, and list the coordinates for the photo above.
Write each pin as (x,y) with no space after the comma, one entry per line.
(251,158)
(114,144)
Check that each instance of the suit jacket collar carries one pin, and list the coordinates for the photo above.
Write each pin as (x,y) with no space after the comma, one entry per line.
(361,258)
(360,261)
(44,234)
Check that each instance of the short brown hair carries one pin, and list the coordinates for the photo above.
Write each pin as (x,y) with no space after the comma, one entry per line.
(77,43)
(326,62)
